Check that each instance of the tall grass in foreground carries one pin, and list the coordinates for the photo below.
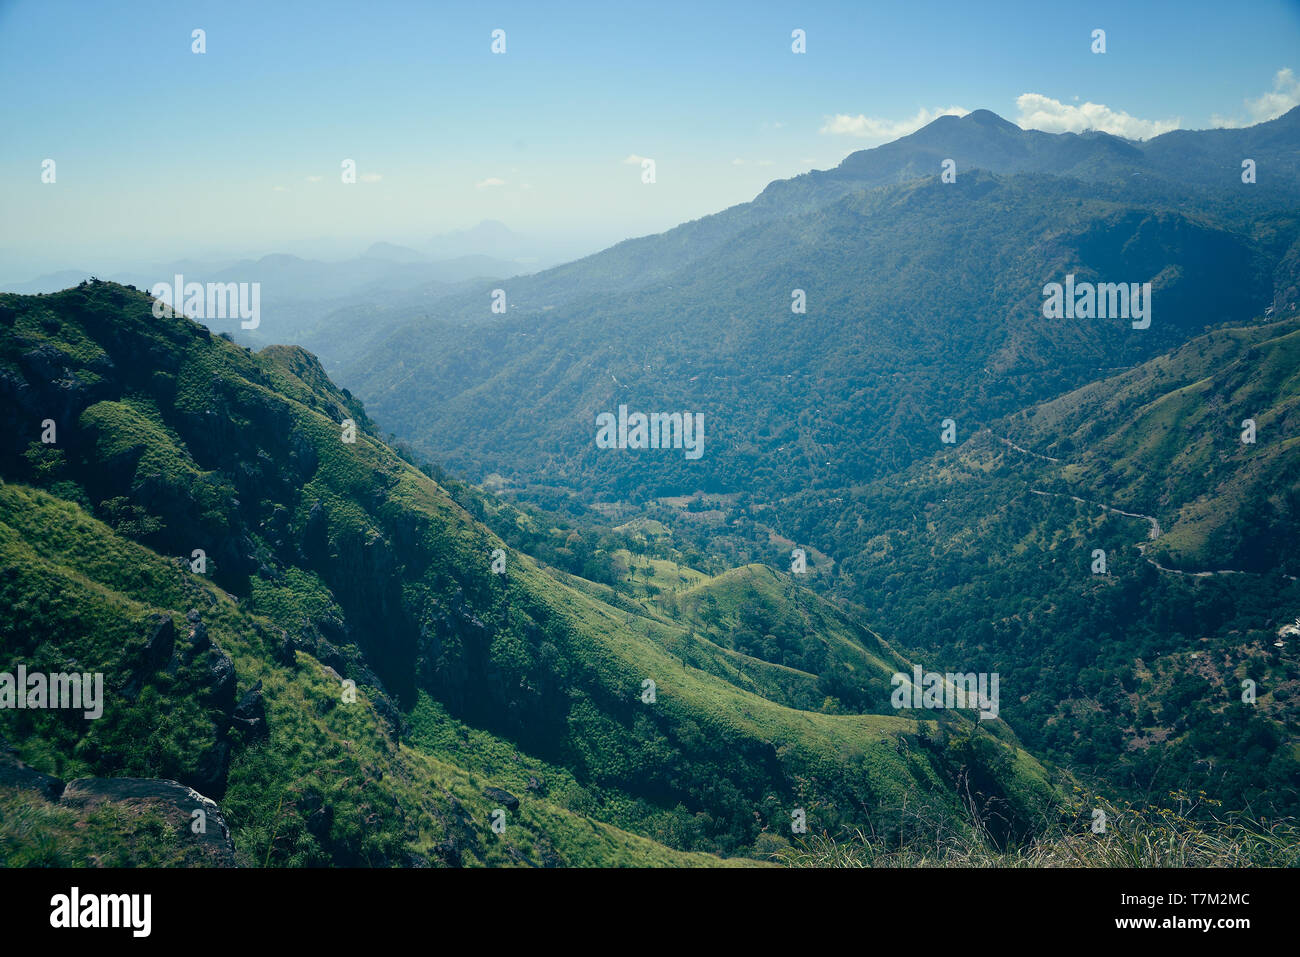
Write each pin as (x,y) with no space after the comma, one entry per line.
(1133,837)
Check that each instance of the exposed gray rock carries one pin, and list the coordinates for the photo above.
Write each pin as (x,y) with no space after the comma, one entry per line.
(503,797)
(221,679)
(250,713)
(173,799)
(15,774)
(161,642)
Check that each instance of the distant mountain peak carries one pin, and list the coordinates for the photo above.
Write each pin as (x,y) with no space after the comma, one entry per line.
(485,230)
(990,119)
(393,253)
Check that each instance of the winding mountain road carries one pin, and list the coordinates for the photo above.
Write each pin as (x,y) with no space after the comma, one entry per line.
(1153,531)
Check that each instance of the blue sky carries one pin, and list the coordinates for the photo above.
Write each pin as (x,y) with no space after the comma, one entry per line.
(164,152)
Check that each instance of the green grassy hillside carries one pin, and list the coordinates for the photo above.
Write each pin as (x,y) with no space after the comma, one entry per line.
(328,560)
(1135,675)
(1166,439)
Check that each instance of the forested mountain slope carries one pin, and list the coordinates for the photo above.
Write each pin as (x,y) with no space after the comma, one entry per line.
(924,302)
(141,445)
(1121,554)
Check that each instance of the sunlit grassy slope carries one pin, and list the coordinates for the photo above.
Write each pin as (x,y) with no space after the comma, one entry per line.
(329,560)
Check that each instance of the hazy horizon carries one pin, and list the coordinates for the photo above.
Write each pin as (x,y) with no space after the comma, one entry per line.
(549,136)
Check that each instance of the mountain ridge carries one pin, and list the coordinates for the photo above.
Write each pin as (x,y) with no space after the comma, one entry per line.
(328,560)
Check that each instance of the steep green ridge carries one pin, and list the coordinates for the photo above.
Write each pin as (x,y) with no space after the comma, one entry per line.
(326,783)
(330,560)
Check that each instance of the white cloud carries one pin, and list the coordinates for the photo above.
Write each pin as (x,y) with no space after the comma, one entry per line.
(882,130)
(1284,96)
(738,162)
(371,177)
(633,160)
(765,162)
(1038,112)
(279,189)
(490,181)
